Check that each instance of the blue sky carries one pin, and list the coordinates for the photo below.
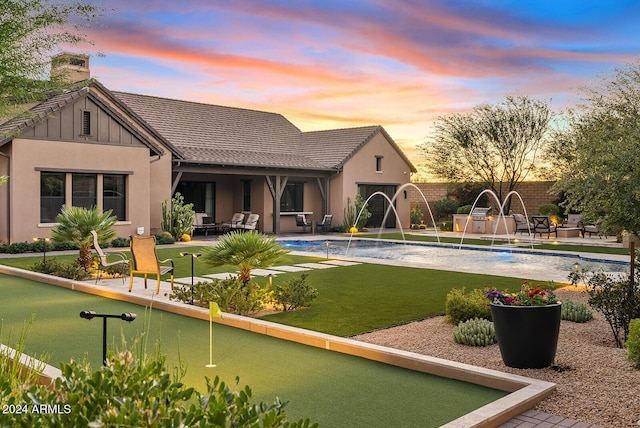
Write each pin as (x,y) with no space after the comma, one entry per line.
(333,64)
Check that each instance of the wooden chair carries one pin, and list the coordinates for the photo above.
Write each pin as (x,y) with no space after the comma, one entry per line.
(542,224)
(145,261)
(104,264)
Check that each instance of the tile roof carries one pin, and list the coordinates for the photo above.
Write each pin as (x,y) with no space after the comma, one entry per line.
(213,134)
(219,135)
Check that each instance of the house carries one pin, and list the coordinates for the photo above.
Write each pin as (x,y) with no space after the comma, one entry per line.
(129,153)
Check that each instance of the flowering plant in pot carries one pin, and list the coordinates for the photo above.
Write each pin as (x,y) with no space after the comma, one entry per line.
(527,296)
(527,324)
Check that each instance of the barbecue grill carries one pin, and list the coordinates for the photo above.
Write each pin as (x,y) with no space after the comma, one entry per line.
(480,213)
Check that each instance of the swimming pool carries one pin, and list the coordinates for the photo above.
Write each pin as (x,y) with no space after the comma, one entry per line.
(539,265)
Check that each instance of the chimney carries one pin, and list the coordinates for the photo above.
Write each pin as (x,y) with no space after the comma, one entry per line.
(70,67)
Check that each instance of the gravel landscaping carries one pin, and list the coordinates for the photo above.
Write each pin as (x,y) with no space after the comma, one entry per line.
(595,382)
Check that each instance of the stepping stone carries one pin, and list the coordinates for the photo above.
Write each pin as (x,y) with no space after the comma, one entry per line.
(340,263)
(316,265)
(187,280)
(265,272)
(221,275)
(290,268)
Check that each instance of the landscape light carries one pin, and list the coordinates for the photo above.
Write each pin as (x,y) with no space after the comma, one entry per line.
(193,256)
(88,315)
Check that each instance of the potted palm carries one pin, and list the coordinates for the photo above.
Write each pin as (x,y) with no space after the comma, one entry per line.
(527,325)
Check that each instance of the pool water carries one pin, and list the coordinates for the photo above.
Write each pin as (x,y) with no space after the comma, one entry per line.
(538,265)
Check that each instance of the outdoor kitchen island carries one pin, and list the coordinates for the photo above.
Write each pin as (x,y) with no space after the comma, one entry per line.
(481,221)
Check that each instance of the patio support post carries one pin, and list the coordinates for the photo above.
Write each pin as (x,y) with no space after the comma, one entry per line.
(276,188)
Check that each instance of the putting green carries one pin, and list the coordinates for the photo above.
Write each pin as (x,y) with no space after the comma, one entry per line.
(327,387)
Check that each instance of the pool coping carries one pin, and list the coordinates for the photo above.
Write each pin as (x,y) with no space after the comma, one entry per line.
(524,392)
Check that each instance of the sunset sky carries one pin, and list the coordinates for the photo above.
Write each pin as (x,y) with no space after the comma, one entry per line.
(339,63)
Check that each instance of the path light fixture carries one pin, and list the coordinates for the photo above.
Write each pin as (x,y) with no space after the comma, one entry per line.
(193,256)
(576,267)
(44,252)
(88,315)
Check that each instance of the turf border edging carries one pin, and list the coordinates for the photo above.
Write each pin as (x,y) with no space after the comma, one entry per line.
(524,393)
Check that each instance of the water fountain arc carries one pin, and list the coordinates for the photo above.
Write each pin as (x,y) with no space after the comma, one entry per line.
(364,205)
(400,189)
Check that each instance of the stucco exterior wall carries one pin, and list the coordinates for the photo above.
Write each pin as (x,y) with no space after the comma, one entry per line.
(28,156)
(361,169)
(159,190)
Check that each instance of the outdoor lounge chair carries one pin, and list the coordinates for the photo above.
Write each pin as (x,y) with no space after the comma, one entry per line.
(145,261)
(236,220)
(542,224)
(250,224)
(203,223)
(104,264)
(301,221)
(325,224)
(522,225)
(574,220)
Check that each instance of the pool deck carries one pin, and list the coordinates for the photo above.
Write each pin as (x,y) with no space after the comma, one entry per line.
(515,410)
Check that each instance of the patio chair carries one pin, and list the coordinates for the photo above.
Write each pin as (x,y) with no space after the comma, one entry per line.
(325,224)
(522,225)
(590,229)
(236,220)
(145,261)
(104,264)
(574,220)
(250,224)
(301,221)
(542,224)
(203,223)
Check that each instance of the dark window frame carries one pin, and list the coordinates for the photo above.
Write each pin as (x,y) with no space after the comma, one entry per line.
(292,199)
(51,204)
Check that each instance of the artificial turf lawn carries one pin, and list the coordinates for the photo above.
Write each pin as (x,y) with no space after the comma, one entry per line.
(351,299)
(330,388)
(409,236)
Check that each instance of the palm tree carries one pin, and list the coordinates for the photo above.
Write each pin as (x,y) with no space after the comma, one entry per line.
(246,251)
(75,225)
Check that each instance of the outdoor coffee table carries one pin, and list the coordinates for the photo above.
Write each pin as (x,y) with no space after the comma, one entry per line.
(568,232)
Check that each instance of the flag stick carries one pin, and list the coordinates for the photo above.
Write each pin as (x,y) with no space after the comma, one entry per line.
(210,365)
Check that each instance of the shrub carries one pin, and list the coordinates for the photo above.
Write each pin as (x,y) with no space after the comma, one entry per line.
(465,209)
(351,211)
(475,332)
(294,293)
(461,305)
(120,242)
(445,208)
(548,209)
(416,215)
(52,266)
(633,342)
(446,226)
(575,312)
(164,239)
(616,298)
(230,295)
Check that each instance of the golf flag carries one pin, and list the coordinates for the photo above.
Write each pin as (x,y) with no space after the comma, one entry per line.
(214,310)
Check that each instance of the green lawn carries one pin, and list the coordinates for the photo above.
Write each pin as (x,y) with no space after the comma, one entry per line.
(474,241)
(330,388)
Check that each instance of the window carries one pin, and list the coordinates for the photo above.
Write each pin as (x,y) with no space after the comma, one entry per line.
(113,195)
(378,163)
(246,195)
(292,198)
(52,185)
(84,190)
(86,122)
(201,194)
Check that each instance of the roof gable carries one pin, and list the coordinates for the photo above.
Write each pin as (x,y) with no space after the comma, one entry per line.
(92,95)
(336,146)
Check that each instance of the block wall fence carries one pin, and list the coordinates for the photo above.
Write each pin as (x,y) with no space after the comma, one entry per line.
(533,194)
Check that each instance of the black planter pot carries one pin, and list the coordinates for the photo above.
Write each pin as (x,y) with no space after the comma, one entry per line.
(527,335)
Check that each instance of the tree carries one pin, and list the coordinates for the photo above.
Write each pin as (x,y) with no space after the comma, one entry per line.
(246,251)
(600,179)
(75,225)
(495,145)
(30,32)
